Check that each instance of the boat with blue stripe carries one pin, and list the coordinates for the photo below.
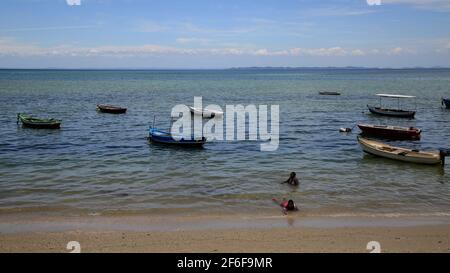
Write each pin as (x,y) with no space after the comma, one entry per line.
(163,137)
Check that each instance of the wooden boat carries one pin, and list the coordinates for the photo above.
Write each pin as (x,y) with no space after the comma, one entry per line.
(391,112)
(105,108)
(446,102)
(159,136)
(399,113)
(205,112)
(391,132)
(329,93)
(402,154)
(38,123)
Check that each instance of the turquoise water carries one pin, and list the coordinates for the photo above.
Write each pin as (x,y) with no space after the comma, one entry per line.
(103,163)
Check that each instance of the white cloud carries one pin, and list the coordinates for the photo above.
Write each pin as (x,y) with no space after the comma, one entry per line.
(373,2)
(73,2)
(400,50)
(186,40)
(331,51)
(358,52)
(10,47)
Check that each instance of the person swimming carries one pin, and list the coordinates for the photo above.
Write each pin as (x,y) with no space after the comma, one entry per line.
(287,205)
(292,180)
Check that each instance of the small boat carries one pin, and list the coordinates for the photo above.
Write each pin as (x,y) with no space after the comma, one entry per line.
(205,112)
(38,123)
(402,154)
(399,113)
(391,132)
(391,112)
(105,108)
(329,93)
(159,136)
(446,102)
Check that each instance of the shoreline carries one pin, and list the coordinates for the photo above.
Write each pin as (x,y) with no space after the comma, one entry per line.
(225,233)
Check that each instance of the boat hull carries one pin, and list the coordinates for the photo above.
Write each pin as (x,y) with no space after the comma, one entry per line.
(446,102)
(165,138)
(391,112)
(111,109)
(328,93)
(399,154)
(42,125)
(35,123)
(390,132)
(205,112)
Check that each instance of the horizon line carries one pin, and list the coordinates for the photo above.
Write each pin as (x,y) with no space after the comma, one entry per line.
(225,68)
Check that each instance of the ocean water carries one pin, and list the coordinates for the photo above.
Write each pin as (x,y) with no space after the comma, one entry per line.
(101,163)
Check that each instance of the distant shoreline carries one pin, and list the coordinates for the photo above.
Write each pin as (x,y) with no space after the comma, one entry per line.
(230,68)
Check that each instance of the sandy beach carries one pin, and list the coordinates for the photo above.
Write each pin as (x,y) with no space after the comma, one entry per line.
(410,239)
(317,235)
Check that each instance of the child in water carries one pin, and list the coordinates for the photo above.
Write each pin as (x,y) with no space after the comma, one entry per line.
(287,205)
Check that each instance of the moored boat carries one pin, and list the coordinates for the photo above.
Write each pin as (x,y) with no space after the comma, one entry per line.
(329,93)
(399,113)
(446,102)
(391,132)
(38,123)
(391,112)
(205,112)
(159,136)
(106,108)
(402,154)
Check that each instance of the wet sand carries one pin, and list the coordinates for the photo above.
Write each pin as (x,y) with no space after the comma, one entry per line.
(131,234)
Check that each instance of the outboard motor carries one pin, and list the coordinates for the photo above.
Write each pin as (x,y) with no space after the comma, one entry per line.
(443,153)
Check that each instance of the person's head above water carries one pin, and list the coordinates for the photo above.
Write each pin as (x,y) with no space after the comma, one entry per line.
(292,175)
(290,205)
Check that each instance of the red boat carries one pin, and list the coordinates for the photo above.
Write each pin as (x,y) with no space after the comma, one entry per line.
(105,108)
(391,132)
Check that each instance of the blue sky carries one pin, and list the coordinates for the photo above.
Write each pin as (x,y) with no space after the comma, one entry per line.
(223,33)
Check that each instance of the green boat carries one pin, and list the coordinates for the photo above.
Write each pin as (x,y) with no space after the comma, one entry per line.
(38,123)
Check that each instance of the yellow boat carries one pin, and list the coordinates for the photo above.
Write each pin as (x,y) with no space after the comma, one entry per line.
(402,154)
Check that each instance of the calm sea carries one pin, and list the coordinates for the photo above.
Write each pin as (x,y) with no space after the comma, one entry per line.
(100,163)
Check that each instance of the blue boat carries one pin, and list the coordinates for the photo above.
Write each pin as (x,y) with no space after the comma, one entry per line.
(446,102)
(159,136)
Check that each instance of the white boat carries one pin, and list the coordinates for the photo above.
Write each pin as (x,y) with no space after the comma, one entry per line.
(390,112)
(205,112)
(402,154)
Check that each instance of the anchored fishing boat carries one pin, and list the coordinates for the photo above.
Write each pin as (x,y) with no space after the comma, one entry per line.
(329,93)
(402,154)
(38,123)
(159,136)
(106,108)
(205,112)
(400,113)
(446,102)
(391,132)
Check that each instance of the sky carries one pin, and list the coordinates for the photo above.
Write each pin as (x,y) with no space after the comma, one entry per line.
(223,33)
